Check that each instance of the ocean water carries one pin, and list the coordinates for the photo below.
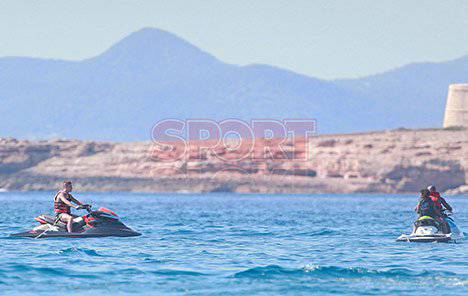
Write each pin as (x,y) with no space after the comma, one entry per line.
(228,244)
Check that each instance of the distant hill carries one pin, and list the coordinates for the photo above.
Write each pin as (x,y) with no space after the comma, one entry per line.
(152,75)
(411,96)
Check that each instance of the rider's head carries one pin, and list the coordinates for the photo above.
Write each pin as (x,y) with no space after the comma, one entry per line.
(425,193)
(67,186)
(432,188)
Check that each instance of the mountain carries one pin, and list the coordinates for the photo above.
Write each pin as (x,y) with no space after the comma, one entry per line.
(414,95)
(153,75)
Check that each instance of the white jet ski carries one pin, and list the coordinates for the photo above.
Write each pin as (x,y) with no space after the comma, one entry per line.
(426,229)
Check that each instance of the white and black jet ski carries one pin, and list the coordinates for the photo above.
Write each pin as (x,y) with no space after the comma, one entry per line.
(426,229)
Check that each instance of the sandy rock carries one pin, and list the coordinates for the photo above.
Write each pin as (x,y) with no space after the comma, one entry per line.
(400,161)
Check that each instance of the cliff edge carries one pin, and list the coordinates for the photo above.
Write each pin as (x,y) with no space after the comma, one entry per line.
(399,161)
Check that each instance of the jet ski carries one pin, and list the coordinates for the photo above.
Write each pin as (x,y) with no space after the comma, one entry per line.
(426,229)
(100,223)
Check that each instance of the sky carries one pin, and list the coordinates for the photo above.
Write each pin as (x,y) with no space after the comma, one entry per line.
(324,39)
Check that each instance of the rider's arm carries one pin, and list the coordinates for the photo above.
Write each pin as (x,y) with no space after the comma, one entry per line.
(445,203)
(66,201)
(417,207)
(75,200)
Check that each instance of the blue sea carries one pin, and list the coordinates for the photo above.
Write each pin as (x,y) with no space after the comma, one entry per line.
(229,244)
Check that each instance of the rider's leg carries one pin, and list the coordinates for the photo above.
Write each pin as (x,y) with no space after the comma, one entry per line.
(67,218)
(73,219)
(444,225)
(78,221)
(70,225)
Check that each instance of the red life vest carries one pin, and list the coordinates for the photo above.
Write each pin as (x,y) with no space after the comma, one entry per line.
(435,198)
(60,206)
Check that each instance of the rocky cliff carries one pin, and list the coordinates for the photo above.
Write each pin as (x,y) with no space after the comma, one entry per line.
(400,161)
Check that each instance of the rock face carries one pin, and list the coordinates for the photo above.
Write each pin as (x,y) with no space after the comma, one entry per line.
(400,161)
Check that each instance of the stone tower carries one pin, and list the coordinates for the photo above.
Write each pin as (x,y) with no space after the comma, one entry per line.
(456,111)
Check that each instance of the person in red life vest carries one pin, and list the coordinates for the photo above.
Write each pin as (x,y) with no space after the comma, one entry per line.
(440,203)
(439,200)
(63,202)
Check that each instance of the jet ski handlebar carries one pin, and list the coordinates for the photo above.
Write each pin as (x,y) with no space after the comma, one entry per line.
(85,207)
(447,212)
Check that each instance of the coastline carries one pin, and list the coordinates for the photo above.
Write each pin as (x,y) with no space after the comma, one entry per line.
(399,161)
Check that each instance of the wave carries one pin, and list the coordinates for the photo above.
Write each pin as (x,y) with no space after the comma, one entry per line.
(250,233)
(174,224)
(9,270)
(133,271)
(176,272)
(324,231)
(336,272)
(181,232)
(79,251)
(22,269)
(148,260)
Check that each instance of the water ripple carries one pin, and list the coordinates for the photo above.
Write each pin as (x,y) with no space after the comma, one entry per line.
(336,272)
(79,251)
(228,244)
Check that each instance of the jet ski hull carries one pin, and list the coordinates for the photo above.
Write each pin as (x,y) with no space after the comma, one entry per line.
(84,234)
(423,239)
(101,223)
(424,234)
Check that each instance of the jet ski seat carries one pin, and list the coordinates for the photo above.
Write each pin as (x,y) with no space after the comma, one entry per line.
(47,219)
(429,221)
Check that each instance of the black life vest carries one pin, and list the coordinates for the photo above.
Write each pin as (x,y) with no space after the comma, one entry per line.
(60,206)
(427,207)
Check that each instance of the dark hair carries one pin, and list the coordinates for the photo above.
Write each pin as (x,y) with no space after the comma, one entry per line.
(66,183)
(425,192)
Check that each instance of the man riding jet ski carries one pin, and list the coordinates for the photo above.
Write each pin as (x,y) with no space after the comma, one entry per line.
(440,205)
(95,224)
(432,225)
(100,223)
(63,202)
(439,202)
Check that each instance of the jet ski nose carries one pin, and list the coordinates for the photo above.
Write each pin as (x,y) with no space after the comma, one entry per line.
(133,233)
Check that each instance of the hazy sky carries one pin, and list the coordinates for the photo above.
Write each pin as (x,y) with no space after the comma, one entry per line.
(325,39)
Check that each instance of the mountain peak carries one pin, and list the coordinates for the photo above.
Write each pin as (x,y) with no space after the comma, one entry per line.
(155,35)
(155,47)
